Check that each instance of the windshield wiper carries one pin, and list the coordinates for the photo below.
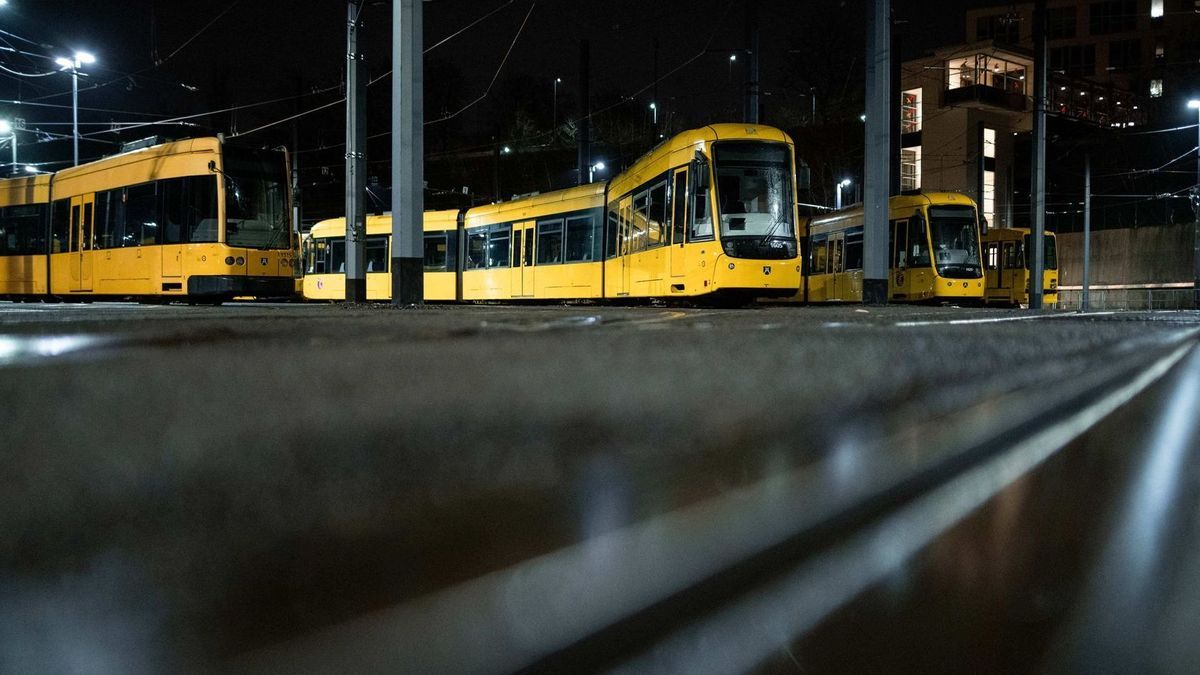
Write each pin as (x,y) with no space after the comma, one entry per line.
(274,237)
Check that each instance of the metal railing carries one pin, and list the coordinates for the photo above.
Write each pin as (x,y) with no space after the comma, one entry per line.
(1129,298)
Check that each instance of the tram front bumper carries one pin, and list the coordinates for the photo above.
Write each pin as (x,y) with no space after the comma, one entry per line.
(230,286)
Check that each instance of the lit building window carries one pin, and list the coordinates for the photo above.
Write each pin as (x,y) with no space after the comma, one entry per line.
(1156,9)
(1156,88)
(910,111)
(1159,50)
(910,168)
(989,71)
(989,175)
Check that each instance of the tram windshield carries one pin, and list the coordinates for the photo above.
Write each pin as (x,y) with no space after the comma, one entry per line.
(955,237)
(1051,253)
(256,214)
(754,195)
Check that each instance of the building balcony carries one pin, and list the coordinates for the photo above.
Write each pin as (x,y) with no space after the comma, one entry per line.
(985,95)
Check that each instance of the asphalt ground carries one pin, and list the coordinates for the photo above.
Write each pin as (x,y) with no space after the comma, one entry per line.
(193,487)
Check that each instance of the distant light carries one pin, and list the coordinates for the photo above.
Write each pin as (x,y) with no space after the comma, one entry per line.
(733,57)
(1100,99)
(1083,93)
(1135,107)
(845,182)
(31,169)
(1022,77)
(1062,88)
(1130,124)
(653,105)
(64,62)
(5,127)
(558,79)
(1194,103)
(505,150)
(85,57)
(598,166)
(862,117)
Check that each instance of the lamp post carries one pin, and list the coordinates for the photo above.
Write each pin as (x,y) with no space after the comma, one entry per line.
(73,65)
(598,166)
(1195,105)
(6,129)
(844,183)
(554,115)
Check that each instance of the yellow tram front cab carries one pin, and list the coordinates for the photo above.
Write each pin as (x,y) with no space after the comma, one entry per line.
(933,252)
(709,213)
(195,219)
(1008,267)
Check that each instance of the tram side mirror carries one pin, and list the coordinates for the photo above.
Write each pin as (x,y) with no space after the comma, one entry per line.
(983,225)
(212,166)
(700,171)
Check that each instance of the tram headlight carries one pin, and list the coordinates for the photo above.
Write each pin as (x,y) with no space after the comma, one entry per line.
(241,260)
(229,260)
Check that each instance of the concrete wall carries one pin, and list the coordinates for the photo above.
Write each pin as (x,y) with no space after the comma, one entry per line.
(1144,255)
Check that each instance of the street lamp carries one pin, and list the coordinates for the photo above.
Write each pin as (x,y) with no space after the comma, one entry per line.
(73,65)
(598,166)
(844,183)
(6,129)
(554,117)
(1195,105)
(654,109)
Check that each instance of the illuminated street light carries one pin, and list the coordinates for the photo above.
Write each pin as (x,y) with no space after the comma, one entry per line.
(79,60)
(598,166)
(554,116)
(1194,104)
(29,168)
(506,150)
(654,109)
(844,183)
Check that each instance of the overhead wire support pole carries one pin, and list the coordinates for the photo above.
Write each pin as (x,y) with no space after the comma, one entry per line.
(877,171)
(1196,219)
(356,157)
(1037,193)
(752,115)
(584,130)
(408,153)
(1087,231)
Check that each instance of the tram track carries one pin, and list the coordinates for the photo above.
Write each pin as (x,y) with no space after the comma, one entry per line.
(717,586)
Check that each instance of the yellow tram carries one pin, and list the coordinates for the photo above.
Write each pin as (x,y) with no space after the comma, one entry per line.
(933,252)
(709,213)
(195,220)
(1008,267)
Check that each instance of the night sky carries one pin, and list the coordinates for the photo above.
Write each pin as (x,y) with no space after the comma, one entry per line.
(158,60)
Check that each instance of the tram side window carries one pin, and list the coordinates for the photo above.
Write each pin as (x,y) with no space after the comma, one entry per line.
(820,257)
(23,230)
(189,210)
(918,243)
(110,219)
(337,255)
(376,253)
(476,249)
(854,251)
(582,242)
(498,249)
(679,201)
(614,228)
(993,256)
(60,225)
(436,247)
(897,244)
(639,225)
(141,216)
(701,217)
(656,221)
(549,242)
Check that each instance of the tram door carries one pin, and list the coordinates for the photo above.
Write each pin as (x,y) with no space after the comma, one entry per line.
(839,285)
(899,279)
(82,218)
(522,261)
(625,245)
(679,225)
(1011,265)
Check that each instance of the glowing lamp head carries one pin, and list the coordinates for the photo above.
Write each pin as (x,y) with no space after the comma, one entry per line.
(5,127)
(1194,104)
(845,183)
(64,62)
(85,57)
(598,166)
